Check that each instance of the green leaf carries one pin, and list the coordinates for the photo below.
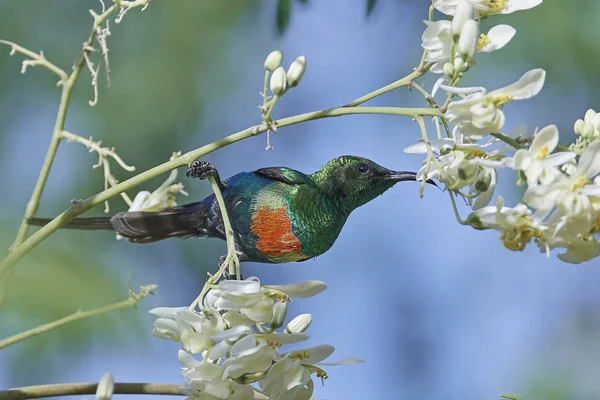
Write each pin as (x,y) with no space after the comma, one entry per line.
(284,14)
(303,1)
(370,6)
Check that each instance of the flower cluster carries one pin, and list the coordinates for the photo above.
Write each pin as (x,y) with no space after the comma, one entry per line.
(561,204)
(235,336)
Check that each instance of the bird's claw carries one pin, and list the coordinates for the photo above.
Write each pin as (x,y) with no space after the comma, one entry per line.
(201,170)
(226,274)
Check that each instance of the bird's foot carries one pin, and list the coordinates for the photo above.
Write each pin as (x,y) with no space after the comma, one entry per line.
(201,170)
(226,275)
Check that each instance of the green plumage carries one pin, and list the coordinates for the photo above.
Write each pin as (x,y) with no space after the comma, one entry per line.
(278,214)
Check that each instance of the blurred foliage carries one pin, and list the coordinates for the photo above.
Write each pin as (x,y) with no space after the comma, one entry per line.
(53,284)
(167,63)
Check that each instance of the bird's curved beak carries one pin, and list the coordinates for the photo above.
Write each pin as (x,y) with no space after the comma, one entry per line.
(400,176)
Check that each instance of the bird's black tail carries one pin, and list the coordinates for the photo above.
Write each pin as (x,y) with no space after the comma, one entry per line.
(147,227)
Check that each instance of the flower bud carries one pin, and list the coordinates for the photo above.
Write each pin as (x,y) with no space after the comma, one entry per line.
(278,81)
(296,71)
(589,114)
(299,324)
(588,130)
(449,69)
(273,60)
(460,65)
(483,182)
(579,126)
(105,388)
(279,313)
(469,35)
(464,12)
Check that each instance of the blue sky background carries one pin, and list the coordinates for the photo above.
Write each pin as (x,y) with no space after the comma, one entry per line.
(437,310)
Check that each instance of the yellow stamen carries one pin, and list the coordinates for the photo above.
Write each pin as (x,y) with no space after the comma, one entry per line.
(542,153)
(478,153)
(501,100)
(483,40)
(580,182)
(273,343)
(518,238)
(303,355)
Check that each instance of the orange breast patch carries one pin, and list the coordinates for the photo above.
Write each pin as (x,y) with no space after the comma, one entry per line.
(273,229)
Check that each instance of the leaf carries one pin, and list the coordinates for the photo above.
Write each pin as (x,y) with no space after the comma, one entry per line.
(284,14)
(303,1)
(370,6)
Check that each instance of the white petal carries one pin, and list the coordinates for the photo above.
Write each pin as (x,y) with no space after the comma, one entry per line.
(229,334)
(345,361)
(186,359)
(589,162)
(300,290)
(498,36)
(557,159)
(546,137)
(527,86)
(518,5)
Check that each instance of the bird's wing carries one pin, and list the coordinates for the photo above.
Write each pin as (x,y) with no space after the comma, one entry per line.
(286,175)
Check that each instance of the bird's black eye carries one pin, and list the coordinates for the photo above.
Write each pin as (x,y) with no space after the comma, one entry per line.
(363,168)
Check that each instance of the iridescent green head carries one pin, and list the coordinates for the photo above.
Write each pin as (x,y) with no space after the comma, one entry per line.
(357,180)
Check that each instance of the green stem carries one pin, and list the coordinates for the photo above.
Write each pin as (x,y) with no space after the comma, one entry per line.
(67,89)
(80,207)
(392,86)
(510,141)
(131,301)
(74,389)
(232,258)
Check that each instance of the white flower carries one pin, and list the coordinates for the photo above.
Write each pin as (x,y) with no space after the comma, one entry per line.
(194,330)
(285,379)
(247,297)
(464,12)
(517,224)
(161,198)
(480,114)
(299,324)
(487,7)
(273,60)
(105,388)
(205,381)
(589,127)
(278,83)
(570,194)
(460,166)
(537,162)
(437,40)
(296,71)
(249,355)
(469,36)
(496,38)
(581,251)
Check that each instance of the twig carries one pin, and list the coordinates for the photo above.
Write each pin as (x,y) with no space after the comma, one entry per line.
(392,86)
(80,207)
(36,60)
(131,301)
(508,140)
(72,389)
(103,154)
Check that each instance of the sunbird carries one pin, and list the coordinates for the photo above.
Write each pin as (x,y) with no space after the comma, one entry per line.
(278,214)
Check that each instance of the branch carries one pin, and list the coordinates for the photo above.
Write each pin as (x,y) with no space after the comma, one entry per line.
(131,301)
(80,207)
(71,389)
(392,86)
(103,154)
(36,60)
(67,88)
